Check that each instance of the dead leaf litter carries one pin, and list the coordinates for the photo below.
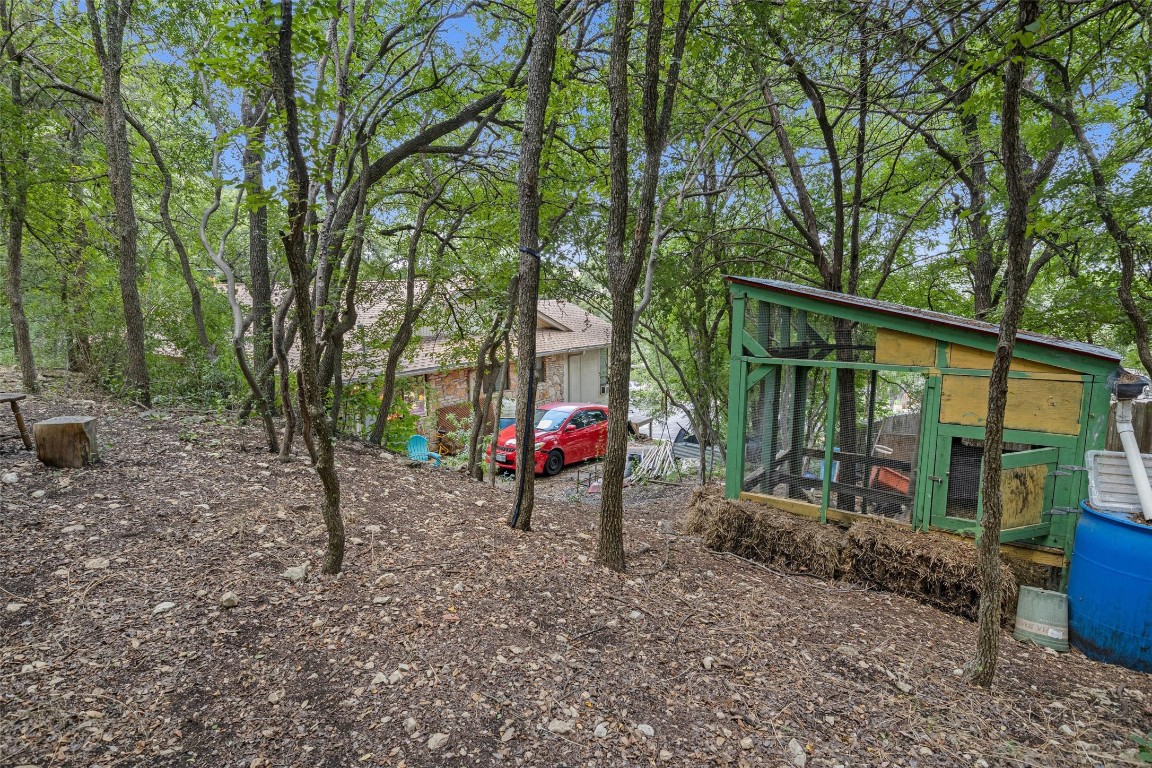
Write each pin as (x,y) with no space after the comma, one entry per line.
(165,607)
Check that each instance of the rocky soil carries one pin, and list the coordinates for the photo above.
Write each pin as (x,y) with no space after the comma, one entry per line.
(163,607)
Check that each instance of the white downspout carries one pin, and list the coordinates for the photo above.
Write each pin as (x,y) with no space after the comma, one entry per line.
(1132,453)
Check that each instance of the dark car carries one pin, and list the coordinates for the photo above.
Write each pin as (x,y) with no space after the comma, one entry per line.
(565,433)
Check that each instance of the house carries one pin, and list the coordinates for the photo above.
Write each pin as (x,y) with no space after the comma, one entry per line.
(439,368)
(571,364)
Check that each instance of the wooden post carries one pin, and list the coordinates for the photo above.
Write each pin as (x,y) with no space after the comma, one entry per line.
(13,399)
(66,441)
(737,402)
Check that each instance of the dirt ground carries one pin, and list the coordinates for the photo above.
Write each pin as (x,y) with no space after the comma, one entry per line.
(451,640)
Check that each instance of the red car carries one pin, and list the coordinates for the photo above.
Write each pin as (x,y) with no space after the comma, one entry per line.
(565,433)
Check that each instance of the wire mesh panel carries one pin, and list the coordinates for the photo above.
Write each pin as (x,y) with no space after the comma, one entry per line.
(759,433)
(870,466)
(785,432)
(876,428)
(963,476)
(878,442)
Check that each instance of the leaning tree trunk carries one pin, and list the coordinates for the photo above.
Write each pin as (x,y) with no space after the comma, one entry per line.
(379,433)
(295,251)
(982,669)
(528,185)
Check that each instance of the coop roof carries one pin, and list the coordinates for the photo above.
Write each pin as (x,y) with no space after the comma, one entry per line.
(855,304)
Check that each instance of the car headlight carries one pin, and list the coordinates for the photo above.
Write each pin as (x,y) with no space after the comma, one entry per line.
(538,447)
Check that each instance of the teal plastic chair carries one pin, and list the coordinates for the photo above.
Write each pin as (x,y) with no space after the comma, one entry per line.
(418,450)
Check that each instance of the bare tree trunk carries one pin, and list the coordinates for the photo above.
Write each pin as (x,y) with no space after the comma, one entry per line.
(986,266)
(540,67)
(379,433)
(217,255)
(15,202)
(481,404)
(73,290)
(623,265)
(254,109)
(177,241)
(490,352)
(72,296)
(501,383)
(14,182)
(281,341)
(413,308)
(311,395)
(982,669)
(109,51)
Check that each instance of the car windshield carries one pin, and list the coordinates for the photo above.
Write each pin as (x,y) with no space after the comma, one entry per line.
(549,420)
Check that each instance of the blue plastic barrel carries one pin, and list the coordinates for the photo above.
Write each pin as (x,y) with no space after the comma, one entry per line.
(1110,589)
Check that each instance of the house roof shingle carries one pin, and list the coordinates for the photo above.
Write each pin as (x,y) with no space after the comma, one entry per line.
(585,331)
(562,327)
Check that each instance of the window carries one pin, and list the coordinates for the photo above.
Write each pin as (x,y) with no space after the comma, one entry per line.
(415,395)
(604,371)
(596,416)
(581,420)
(550,420)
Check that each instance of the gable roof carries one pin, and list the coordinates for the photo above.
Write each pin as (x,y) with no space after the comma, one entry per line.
(926,316)
(561,327)
(567,328)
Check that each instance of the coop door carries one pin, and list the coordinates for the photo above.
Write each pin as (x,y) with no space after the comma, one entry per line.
(1026,481)
(1027,484)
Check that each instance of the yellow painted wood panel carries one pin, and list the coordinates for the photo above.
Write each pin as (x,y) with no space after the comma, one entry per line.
(897,348)
(1036,405)
(1023,493)
(960,356)
(796,507)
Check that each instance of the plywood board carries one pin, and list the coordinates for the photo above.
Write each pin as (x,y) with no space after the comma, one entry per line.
(1023,494)
(896,348)
(960,356)
(1034,405)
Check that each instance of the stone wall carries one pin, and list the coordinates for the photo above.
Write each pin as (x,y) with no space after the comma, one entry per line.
(550,388)
(450,391)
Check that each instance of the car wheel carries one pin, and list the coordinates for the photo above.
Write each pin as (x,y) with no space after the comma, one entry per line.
(554,463)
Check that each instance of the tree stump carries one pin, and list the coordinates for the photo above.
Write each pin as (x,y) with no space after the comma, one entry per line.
(66,441)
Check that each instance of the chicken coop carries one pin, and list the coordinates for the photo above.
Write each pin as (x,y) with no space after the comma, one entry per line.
(842,406)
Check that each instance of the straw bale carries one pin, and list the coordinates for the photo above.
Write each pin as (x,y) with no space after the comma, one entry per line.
(766,534)
(932,567)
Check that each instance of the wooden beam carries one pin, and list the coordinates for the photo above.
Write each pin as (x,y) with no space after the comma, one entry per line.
(1036,555)
(799,508)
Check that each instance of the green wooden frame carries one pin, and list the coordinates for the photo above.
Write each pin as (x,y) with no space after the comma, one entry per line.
(751,364)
